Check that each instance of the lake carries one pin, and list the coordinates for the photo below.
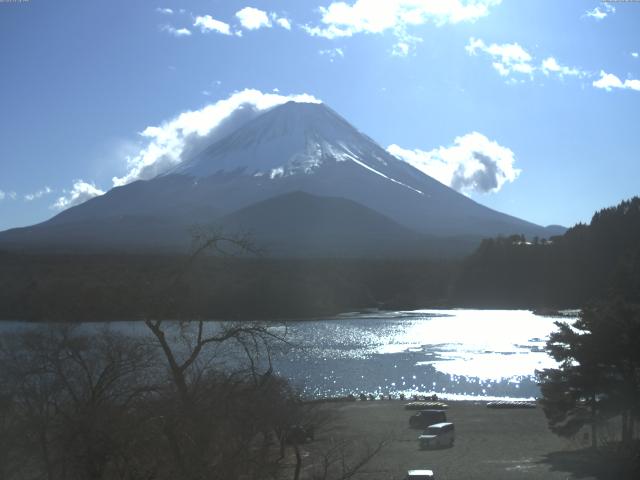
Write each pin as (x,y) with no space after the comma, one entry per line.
(457,354)
(453,353)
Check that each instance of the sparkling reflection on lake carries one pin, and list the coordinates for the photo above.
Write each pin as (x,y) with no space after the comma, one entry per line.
(453,353)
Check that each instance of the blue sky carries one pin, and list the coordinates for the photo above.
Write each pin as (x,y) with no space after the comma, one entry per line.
(547,92)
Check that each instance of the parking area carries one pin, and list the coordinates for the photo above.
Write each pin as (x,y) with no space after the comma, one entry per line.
(489,443)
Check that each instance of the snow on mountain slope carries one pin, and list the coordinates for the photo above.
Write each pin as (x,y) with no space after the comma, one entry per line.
(294,138)
(309,147)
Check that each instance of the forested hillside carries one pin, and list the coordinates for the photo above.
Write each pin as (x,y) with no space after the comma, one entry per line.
(125,287)
(569,270)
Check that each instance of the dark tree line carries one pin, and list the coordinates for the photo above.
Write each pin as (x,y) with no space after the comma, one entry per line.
(41,287)
(586,263)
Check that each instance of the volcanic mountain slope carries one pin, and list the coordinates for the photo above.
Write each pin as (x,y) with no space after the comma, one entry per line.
(299,224)
(295,147)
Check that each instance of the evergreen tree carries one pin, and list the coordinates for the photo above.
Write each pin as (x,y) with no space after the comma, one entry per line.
(599,371)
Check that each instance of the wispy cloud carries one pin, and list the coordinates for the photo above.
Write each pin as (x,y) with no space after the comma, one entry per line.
(209,24)
(250,18)
(79,193)
(507,58)
(332,53)
(401,49)
(511,60)
(600,12)
(341,19)
(176,32)
(634,54)
(164,11)
(253,19)
(29,197)
(283,22)
(7,195)
(473,164)
(609,81)
(551,65)
(174,141)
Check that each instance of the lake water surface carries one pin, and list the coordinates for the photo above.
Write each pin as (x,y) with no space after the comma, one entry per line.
(453,353)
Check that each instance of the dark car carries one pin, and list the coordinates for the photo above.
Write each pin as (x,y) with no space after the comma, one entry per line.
(424,418)
(438,435)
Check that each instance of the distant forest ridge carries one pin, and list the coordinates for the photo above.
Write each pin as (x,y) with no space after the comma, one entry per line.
(584,264)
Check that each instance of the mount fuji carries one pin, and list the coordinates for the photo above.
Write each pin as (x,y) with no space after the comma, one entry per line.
(301,180)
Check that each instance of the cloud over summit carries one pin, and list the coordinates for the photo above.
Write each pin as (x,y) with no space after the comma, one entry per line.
(172,142)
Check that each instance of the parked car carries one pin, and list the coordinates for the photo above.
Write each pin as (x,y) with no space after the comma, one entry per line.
(420,475)
(424,418)
(438,435)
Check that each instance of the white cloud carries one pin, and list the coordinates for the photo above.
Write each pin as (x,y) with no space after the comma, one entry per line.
(400,49)
(209,24)
(176,32)
(600,13)
(172,142)
(332,53)
(341,19)
(609,81)
(8,195)
(252,18)
(39,194)
(511,58)
(164,11)
(284,23)
(472,164)
(80,193)
(507,58)
(634,54)
(551,65)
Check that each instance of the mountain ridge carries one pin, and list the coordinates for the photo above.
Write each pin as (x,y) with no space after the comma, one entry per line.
(294,147)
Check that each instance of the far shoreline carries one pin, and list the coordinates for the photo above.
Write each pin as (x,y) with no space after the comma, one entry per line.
(569,312)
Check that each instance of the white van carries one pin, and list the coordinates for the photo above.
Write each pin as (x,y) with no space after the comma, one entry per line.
(420,475)
(438,435)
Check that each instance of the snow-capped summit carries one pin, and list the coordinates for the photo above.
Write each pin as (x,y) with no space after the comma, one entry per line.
(290,139)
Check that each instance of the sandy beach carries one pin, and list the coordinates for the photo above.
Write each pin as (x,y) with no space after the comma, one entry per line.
(489,444)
